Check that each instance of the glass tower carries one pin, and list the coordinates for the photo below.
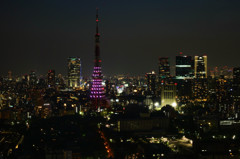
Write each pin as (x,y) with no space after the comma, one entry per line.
(74,72)
(184,67)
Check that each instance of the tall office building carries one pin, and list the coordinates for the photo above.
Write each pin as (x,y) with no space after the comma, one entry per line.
(164,68)
(97,89)
(60,82)
(184,67)
(220,88)
(32,78)
(200,87)
(74,72)
(236,90)
(51,78)
(151,83)
(200,66)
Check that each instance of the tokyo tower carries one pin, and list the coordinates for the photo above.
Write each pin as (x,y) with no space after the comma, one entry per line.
(97,90)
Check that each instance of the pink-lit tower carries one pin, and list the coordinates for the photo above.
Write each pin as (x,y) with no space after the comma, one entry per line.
(97,90)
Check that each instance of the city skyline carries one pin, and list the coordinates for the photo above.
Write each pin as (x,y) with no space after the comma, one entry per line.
(165,79)
(41,36)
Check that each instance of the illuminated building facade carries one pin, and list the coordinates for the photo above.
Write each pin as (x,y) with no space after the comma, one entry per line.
(168,95)
(74,72)
(220,89)
(184,67)
(151,83)
(51,78)
(200,87)
(97,89)
(184,75)
(164,68)
(200,66)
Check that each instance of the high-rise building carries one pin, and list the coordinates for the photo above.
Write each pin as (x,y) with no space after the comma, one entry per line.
(200,66)
(164,68)
(236,90)
(60,82)
(151,83)
(33,78)
(184,89)
(97,89)
(168,95)
(74,72)
(184,67)
(10,75)
(236,74)
(200,87)
(51,78)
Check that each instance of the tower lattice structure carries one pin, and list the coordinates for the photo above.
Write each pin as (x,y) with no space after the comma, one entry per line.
(97,90)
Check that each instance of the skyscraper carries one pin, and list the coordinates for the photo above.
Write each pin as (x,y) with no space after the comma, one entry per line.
(200,88)
(184,67)
(97,89)
(151,83)
(51,78)
(74,72)
(164,67)
(200,66)
(33,78)
(236,90)
(60,82)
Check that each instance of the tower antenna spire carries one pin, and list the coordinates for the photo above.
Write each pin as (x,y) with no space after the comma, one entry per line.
(97,89)
(97,21)
(97,42)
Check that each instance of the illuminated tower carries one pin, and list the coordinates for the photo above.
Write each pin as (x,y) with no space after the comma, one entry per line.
(97,89)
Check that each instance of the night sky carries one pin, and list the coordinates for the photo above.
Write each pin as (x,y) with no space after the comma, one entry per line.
(41,34)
